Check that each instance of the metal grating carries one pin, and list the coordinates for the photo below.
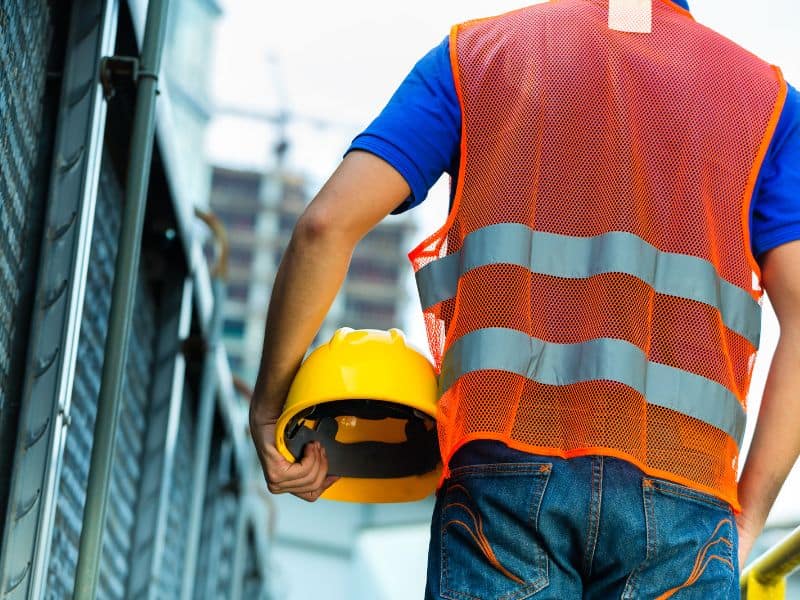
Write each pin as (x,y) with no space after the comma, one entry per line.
(179,501)
(228,505)
(78,447)
(127,468)
(123,496)
(253,584)
(218,537)
(24,49)
(203,573)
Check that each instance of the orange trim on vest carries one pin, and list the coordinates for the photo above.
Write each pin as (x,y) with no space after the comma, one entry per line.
(756,169)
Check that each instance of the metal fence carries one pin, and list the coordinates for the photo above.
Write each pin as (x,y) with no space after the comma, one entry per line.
(47,441)
(94,325)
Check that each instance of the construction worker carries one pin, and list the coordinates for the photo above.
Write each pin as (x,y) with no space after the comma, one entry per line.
(626,182)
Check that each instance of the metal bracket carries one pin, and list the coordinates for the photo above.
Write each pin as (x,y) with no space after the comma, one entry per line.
(118,71)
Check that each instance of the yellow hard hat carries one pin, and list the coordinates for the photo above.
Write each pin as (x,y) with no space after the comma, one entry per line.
(370,400)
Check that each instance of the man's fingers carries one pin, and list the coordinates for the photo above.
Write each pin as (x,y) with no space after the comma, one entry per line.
(313,495)
(281,469)
(309,462)
(314,483)
(321,473)
(305,484)
(305,476)
(292,477)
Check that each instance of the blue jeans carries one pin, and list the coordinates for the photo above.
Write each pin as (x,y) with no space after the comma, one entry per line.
(510,525)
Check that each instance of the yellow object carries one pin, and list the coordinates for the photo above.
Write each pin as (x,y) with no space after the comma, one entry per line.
(765,578)
(370,400)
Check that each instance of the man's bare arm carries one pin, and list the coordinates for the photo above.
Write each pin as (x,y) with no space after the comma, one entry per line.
(362,191)
(776,442)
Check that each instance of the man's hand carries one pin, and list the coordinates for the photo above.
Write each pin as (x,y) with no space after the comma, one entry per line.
(306,479)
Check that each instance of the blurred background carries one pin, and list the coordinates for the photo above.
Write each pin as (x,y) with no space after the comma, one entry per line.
(258,103)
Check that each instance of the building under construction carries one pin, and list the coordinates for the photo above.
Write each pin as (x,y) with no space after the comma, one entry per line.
(260,211)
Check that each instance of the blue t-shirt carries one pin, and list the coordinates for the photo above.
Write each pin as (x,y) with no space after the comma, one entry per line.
(419,134)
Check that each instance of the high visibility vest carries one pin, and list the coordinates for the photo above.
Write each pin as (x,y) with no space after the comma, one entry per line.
(593,291)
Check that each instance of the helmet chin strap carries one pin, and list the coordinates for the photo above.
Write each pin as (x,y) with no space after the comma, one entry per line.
(632,16)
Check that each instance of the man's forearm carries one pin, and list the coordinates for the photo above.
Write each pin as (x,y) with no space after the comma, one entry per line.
(776,442)
(361,192)
(310,275)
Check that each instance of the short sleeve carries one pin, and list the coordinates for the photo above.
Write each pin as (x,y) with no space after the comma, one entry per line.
(419,130)
(775,216)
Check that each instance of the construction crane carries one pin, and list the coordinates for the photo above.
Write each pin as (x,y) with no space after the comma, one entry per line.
(283,116)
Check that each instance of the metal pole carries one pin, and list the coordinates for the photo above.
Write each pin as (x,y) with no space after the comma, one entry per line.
(202,446)
(122,302)
(766,576)
(205,418)
(240,550)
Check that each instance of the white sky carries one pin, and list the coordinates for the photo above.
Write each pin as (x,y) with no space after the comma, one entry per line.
(339,62)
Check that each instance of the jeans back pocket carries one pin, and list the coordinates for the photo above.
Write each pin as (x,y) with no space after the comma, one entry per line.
(692,545)
(490,546)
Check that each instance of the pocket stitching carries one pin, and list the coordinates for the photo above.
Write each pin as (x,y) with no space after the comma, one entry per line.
(675,489)
(700,568)
(497,469)
(649,488)
(542,470)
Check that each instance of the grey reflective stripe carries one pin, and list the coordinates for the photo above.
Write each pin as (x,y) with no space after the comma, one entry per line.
(599,359)
(575,257)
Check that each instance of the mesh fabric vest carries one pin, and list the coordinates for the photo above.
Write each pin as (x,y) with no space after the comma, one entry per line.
(593,290)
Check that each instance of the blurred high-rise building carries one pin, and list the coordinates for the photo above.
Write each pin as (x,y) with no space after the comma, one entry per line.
(374,295)
(260,212)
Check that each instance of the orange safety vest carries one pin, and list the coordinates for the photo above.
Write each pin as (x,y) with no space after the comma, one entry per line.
(593,290)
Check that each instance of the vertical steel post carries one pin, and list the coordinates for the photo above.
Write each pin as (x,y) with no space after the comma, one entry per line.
(205,422)
(127,264)
(209,383)
(240,551)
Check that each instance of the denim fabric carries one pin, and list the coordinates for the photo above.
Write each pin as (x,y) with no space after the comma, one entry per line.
(510,525)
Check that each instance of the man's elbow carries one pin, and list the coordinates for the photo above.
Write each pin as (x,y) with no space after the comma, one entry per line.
(317,228)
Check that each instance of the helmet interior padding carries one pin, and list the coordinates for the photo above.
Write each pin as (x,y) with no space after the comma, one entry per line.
(417,454)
